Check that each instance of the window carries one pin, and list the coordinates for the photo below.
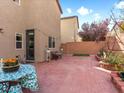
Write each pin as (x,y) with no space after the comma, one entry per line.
(17,1)
(19,41)
(51,42)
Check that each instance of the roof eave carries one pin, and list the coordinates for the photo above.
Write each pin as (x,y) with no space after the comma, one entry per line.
(59,6)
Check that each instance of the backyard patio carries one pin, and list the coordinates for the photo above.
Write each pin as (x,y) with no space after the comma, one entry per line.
(61,46)
(73,75)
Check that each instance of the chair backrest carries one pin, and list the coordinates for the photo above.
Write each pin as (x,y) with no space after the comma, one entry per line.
(5,86)
(21,60)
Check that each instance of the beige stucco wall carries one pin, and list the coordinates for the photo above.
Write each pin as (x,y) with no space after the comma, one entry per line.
(69,30)
(116,40)
(41,15)
(11,21)
(121,44)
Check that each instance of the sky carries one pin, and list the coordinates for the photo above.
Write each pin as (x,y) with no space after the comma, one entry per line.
(90,10)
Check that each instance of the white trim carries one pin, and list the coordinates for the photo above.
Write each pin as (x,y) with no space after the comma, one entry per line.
(19,41)
(18,3)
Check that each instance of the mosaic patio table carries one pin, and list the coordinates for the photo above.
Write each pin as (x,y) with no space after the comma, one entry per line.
(26,75)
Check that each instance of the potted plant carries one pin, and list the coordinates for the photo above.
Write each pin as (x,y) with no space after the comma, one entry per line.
(101,55)
(115,61)
(10,65)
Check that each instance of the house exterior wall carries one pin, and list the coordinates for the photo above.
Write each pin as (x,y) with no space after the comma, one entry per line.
(45,23)
(115,43)
(69,30)
(115,40)
(11,21)
(41,15)
(121,44)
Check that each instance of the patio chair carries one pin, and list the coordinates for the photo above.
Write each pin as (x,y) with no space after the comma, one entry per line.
(22,61)
(10,87)
(56,55)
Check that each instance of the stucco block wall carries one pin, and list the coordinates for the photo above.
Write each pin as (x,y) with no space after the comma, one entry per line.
(41,15)
(82,47)
(69,30)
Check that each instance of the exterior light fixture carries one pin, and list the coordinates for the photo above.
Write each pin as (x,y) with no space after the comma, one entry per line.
(1,30)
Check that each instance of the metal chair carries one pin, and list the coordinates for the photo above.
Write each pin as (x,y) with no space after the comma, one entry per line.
(5,86)
(20,60)
(56,55)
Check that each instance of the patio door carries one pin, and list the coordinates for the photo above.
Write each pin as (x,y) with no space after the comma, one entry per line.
(30,44)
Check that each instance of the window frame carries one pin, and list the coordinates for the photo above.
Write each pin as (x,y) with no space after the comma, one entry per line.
(52,42)
(18,41)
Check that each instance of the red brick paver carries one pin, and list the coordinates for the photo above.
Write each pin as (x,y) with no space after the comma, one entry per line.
(73,75)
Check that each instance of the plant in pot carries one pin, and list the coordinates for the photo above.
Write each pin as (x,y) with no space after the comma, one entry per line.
(115,61)
(101,55)
(10,65)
